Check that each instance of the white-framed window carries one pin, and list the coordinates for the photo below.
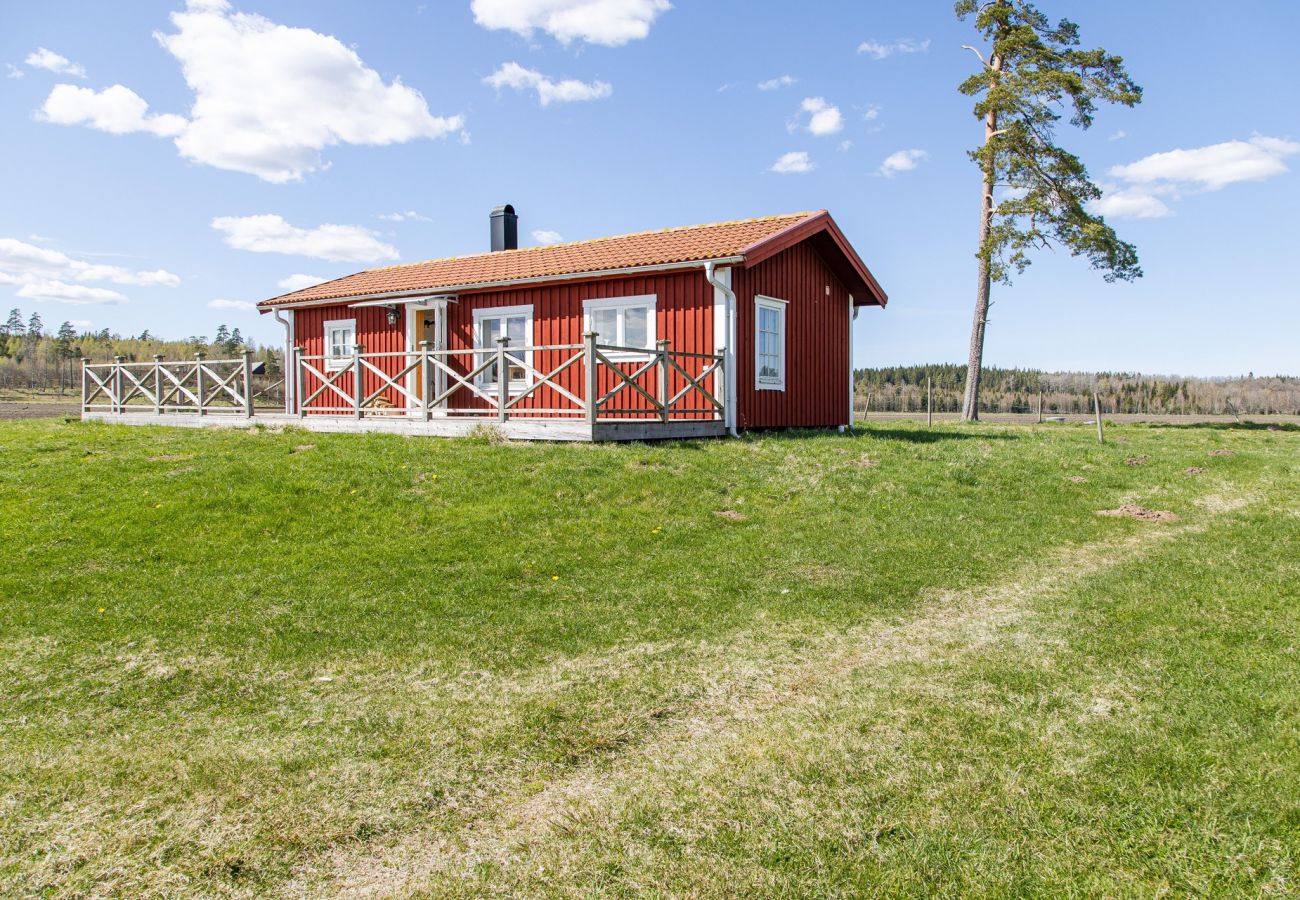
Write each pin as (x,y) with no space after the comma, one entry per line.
(515,323)
(769,343)
(623,322)
(340,338)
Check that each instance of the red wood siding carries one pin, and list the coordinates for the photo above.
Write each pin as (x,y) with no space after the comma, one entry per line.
(683,316)
(816,343)
(373,332)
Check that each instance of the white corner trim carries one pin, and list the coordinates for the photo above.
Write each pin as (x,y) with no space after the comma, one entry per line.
(762,302)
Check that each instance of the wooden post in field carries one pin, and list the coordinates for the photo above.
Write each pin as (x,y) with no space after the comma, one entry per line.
(1040,407)
(593,383)
(929,404)
(866,406)
(157,384)
(663,380)
(248,383)
(424,381)
(198,380)
(358,389)
(1096,408)
(503,378)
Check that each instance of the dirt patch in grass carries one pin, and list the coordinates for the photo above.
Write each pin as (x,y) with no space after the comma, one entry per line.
(1195,470)
(1141,513)
(731,515)
(170,457)
(303,448)
(1223,452)
(1136,461)
(864,462)
(1076,479)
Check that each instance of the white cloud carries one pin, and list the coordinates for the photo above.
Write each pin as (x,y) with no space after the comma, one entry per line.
(796,161)
(902,161)
(845,145)
(83,324)
(1130,203)
(231,304)
(608,22)
(825,118)
(1118,136)
(773,84)
(12,71)
(882,49)
(272,234)
(409,215)
(40,273)
(872,113)
(299,282)
(1149,184)
(543,236)
(268,99)
(53,62)
(513,75)
(117,110)
(1213,167)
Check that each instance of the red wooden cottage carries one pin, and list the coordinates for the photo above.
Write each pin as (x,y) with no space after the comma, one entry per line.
(686,331)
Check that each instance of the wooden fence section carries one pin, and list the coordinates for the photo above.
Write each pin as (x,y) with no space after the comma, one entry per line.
(585,383)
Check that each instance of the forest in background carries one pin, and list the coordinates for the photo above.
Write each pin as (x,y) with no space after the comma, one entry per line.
(34,358)
(902,389)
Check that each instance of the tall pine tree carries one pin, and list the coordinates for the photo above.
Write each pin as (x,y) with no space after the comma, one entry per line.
(1031,70)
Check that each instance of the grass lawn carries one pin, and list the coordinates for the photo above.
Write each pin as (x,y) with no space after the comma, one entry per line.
(898,662)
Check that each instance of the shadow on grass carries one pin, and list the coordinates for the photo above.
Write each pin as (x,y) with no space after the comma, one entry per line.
(1289,427)
(917,435)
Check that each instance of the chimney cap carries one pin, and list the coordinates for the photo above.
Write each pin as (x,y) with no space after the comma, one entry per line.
(504,210)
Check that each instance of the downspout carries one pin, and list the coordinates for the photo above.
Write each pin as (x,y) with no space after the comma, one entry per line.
(729,364)
(289,380)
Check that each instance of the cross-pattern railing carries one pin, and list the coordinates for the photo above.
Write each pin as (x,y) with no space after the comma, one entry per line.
(202,386)
(544,380)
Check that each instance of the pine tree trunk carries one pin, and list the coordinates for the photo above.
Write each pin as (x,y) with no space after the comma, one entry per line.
(970,411)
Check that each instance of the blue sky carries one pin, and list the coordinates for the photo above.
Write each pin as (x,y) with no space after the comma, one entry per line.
(163,168)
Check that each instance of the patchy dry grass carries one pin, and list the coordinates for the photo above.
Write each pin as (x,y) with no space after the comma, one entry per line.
(395,666)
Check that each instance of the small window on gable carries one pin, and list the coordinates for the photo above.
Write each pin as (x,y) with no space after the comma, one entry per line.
(340,338)
(625,322)
(769,343)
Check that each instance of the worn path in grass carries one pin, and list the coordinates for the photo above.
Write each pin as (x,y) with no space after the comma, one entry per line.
(418,666)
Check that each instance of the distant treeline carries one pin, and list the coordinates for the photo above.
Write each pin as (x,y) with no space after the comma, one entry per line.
(32,357)
(902,389)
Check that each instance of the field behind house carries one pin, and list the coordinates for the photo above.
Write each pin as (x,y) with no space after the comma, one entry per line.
(903,661)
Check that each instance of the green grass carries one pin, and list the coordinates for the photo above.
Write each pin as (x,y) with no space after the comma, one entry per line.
(903,662)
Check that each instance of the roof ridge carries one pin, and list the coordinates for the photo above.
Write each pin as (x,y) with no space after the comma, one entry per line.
(613,237)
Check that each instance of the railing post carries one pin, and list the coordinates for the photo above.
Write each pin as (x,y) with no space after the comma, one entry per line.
(424,381)
(83,386)
(157,384)
(248,383)
(117,384)
(297,382)
(663,380)
(592,382)
(198,380)
(358,391)
(503,378)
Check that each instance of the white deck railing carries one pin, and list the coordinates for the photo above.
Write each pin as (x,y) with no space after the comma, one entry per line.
(590,381)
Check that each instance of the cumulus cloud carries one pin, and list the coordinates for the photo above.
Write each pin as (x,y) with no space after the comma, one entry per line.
(824,118)
(409,215)
(902,161)
(544,236)
(1147,185)
(1118,135)
(12,71)
(796,161)
(272,234)
(773,84)
(298,282)
(268,99)
(231,304)
(570,90)
(53,62)
(608,22)
(882,49)
(117,110)
(40,273)
(872,113)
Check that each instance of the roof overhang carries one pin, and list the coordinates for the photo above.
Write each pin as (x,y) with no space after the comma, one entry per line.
(835,249)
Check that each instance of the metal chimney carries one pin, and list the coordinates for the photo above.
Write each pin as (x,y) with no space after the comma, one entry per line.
(505,228)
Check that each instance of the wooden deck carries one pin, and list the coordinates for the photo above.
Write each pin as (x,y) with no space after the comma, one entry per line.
(513,428)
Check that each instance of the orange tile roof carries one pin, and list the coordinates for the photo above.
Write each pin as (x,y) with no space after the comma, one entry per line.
(693,243)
